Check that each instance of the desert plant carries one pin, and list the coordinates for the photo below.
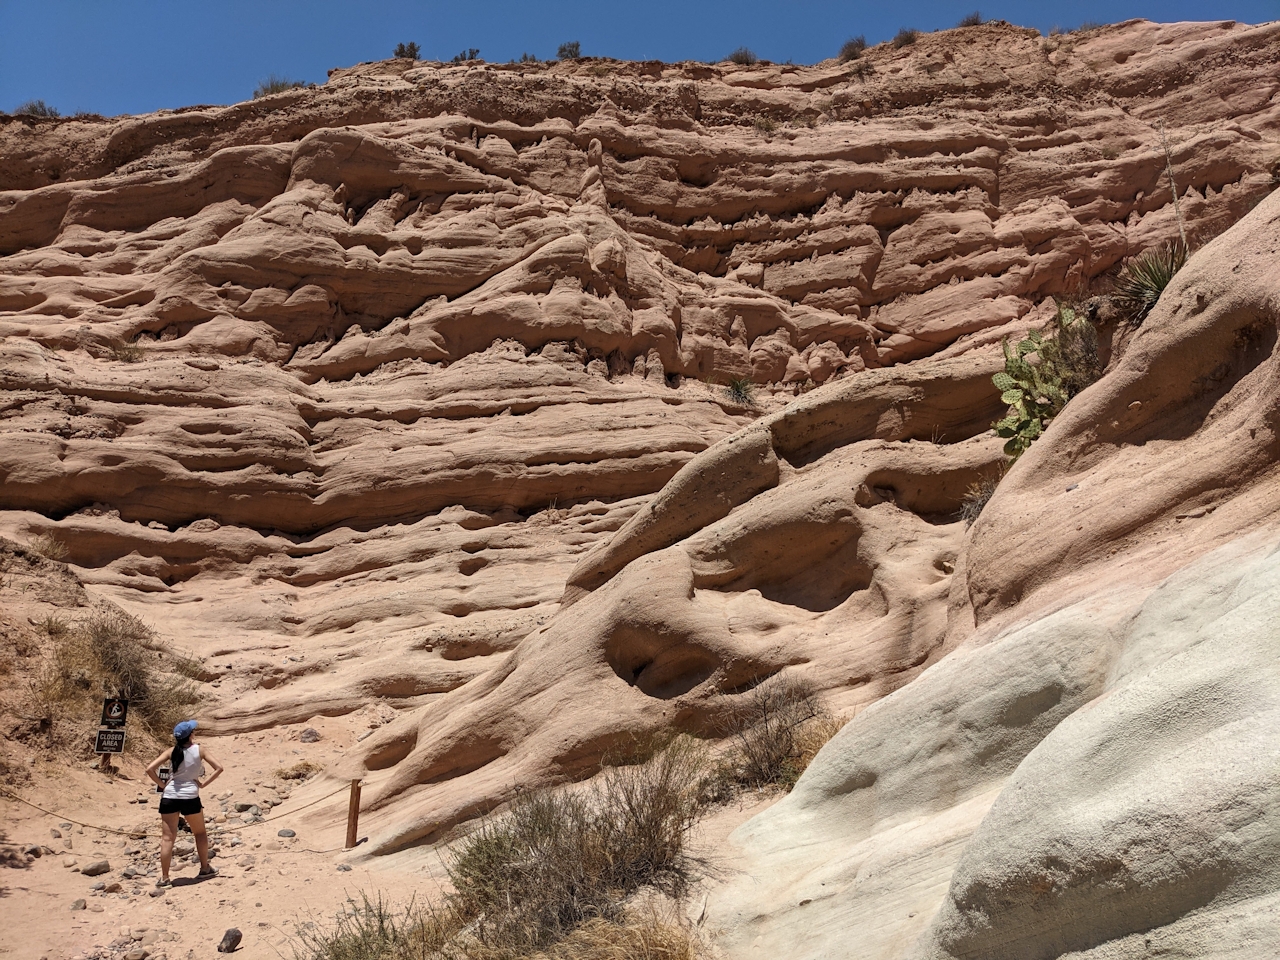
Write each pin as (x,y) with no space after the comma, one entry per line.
(781,727)
(408,51)
(764,124)
(373,930)
(558,859)
(49,547)
(274,84)
(126,353)
(1067,362)
(972,20)
(471,53)
(37,108)
(110,654)
(905,37)
(853,48)
(302,770)
(1144,278)
(744,57)
(529,58)
(976,497)
(570,50)
(741,390)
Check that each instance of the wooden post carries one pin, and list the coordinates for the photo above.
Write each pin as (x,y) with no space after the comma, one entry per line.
(353,814)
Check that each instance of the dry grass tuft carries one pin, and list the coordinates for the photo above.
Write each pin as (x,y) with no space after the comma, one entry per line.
(49,547)
(372,930)
(302,770)
(111,653)
(977,496)
(774,738)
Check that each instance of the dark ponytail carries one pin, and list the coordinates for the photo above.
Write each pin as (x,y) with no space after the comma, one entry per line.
(179,749)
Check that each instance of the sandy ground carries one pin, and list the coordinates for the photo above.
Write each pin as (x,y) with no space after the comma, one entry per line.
(268,887)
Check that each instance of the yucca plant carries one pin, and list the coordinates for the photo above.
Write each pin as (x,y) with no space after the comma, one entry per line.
(1144,278)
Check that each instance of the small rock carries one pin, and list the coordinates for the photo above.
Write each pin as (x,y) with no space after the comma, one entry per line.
(100,885)
(69,862)
(96,869)
(77,904)
(309,735)
(344,867)
(55,833)
(137,953)
(285,833)
(156,892)
(34,850)
(113,888)
(148,938)
(230,940)
(241,806)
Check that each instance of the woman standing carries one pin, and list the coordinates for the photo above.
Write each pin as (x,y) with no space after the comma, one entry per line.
(181,797)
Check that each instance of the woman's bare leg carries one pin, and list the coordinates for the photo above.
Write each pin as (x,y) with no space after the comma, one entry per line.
(196,822)
(168,833)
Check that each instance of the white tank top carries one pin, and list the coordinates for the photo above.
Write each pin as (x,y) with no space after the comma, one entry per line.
(182,782)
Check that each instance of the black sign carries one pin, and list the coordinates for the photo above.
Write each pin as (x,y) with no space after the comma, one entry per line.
(109,741)
(114,712)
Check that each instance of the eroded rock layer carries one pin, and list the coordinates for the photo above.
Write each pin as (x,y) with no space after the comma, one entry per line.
(409,389)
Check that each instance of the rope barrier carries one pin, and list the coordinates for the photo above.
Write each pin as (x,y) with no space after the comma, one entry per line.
(134,834)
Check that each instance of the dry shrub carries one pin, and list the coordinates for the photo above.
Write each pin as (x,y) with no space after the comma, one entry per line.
(647,936)
(111,653)
(905,37)
(977,496)
(371,930)
(558,859)
(743,57)
(302,770)
(852,48)
(773,739)
(49,547)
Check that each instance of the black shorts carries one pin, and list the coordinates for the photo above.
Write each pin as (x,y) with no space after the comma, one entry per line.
(184,807)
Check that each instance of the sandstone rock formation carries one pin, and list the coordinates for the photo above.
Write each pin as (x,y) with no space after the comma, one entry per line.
(407,388)
(1092,771)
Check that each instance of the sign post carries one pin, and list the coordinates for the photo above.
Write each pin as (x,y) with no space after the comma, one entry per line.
(110,739)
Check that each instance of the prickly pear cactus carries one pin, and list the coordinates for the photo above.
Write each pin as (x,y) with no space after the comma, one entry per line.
(1033,392)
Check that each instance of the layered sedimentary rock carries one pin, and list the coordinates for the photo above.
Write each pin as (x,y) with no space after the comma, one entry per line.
(1092,771)
(409,388)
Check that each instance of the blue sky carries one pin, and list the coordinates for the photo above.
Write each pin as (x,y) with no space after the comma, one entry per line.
(131,56)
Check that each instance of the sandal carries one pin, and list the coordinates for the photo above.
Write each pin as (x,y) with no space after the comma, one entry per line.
(163,882)
(207,872)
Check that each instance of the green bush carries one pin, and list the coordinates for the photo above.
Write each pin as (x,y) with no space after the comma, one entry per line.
(529,58)
(744,57)
(37,108)
(905,37)
(571,50)
(408,51)
(471,53)
(1144,278)
(274,84)
(853,48)
(742,390)
(1066,362)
